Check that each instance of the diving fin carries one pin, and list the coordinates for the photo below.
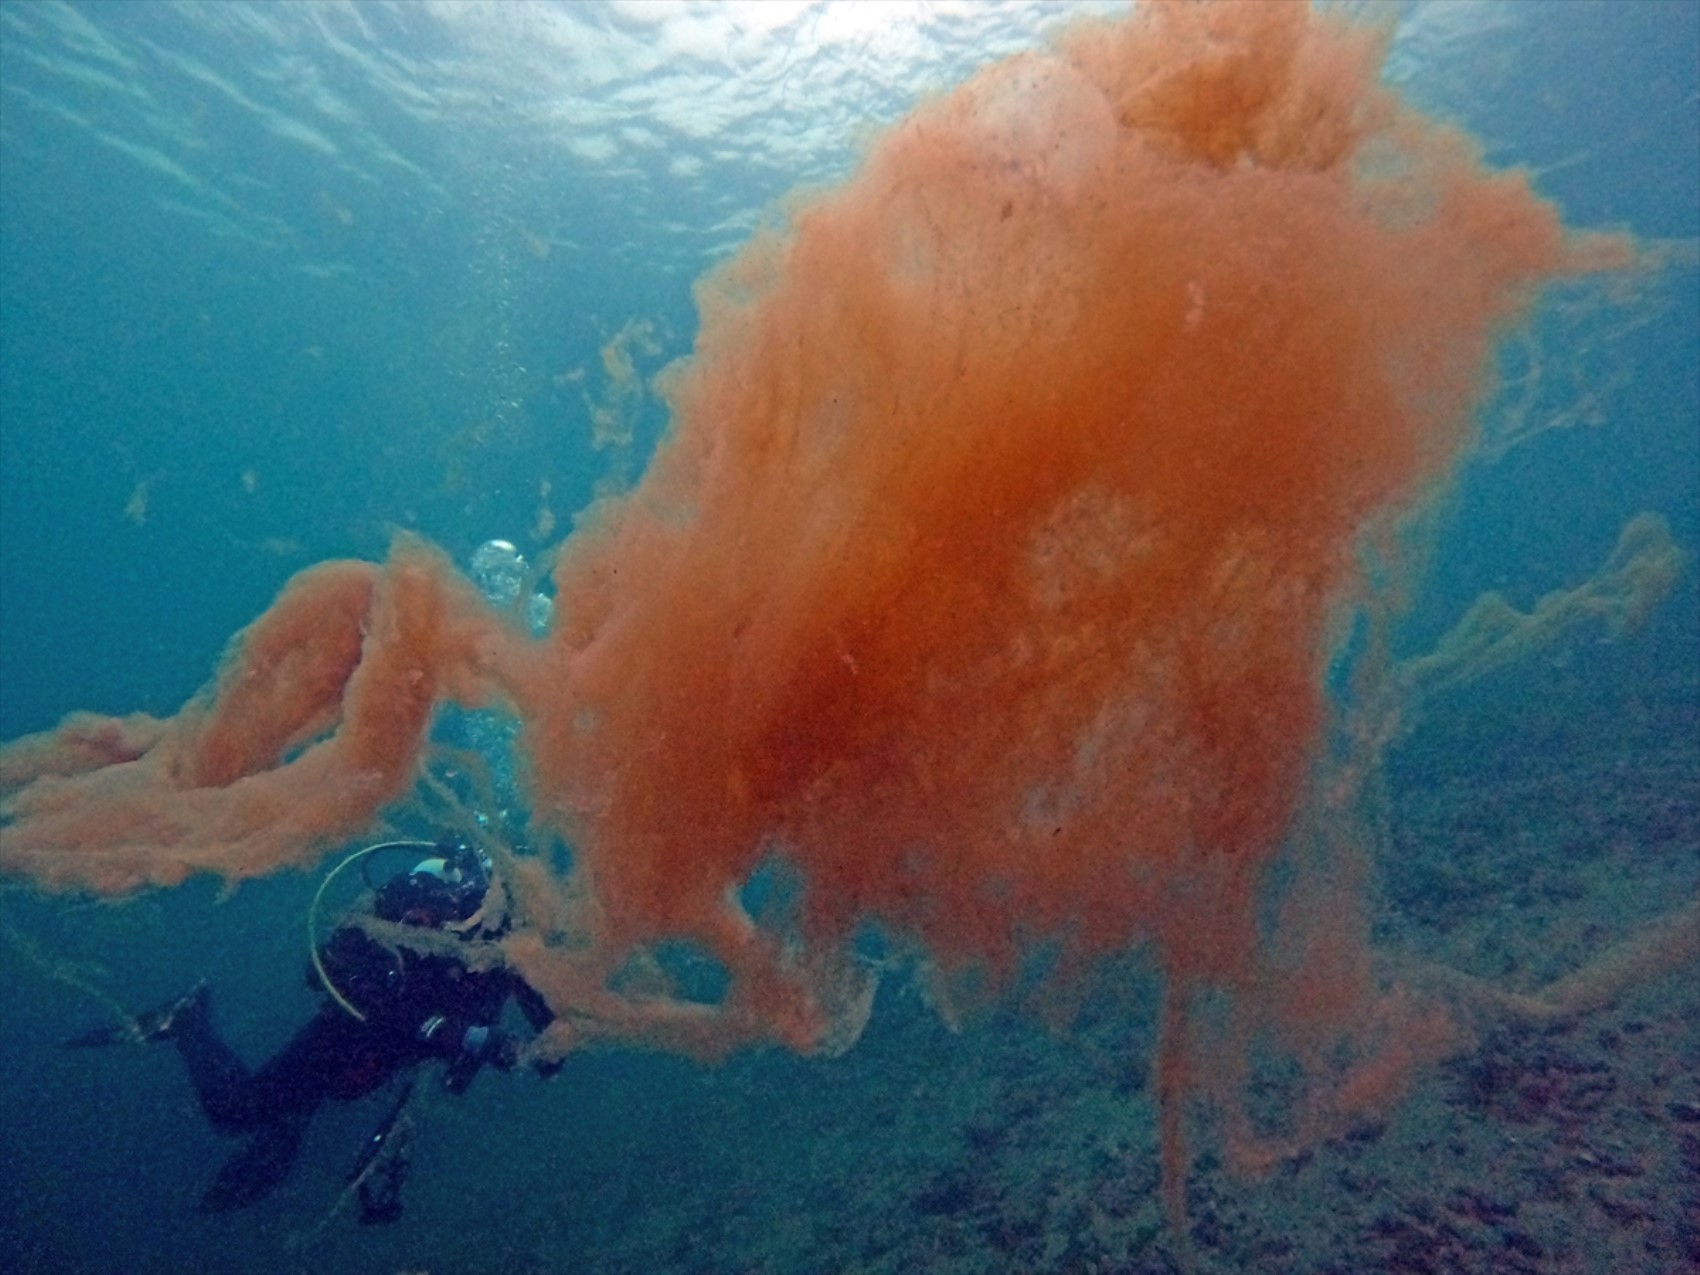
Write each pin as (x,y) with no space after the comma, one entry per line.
(379,1174)
(160,1023)
(123,1033)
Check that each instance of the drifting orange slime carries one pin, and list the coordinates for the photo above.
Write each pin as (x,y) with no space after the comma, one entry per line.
(990,569)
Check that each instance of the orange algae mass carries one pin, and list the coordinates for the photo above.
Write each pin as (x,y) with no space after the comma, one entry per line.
(989,570)
(987,575)
(316,721)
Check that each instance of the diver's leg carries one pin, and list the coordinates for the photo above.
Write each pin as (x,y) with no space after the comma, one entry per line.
(298,1077)
(223,1084)
(277,1103)
(262,1164)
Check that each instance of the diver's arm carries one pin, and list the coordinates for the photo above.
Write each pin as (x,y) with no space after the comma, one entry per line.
(466,1046)
(395,995)
(540,1016)
(532,1005)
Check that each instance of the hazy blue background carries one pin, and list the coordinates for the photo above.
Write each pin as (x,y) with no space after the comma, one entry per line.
(277,279)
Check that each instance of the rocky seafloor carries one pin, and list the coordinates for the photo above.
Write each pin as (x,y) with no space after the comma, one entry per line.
(1518,848)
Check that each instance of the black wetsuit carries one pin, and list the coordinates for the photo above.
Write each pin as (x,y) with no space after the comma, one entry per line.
(417,1007)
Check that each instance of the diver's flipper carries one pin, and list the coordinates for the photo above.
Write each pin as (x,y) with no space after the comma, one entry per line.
(97,1038)
(168,1019)
(378,1175)
(259,1168)
(160,1023)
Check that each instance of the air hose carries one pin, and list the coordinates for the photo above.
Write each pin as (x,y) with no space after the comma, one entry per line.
(313,915)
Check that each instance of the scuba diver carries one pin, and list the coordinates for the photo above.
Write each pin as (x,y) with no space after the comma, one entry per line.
(387,1009)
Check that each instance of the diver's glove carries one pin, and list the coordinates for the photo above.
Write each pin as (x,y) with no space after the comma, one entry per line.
(490,1045)
(478,1042)
(478,1046)
(475,1041)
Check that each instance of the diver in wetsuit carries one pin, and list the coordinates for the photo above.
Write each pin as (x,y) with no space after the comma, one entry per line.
(413,1007)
